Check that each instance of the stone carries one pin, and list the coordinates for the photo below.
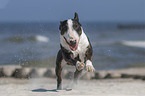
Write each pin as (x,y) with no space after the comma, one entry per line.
(17,73)
(127,76)
(143,78)
(107,76)
(97,76)
(138,77)
(8,70)
(33,73)
(1,72)
(50,73)
(22,72)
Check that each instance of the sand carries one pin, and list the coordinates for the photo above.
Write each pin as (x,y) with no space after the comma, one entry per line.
(47,87)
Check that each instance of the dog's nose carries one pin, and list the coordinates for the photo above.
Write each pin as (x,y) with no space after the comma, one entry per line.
(73,42)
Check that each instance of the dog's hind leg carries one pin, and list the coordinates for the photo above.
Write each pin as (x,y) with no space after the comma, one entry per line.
(58,70)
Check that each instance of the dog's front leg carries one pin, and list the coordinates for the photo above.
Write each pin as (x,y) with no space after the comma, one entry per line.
(79,69)
(59,79)
(88,59)
(58,70)
(79,65)
(89,66)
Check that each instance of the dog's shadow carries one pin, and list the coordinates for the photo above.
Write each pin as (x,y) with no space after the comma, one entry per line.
(44,90)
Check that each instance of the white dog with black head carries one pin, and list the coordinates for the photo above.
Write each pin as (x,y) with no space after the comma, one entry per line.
(76,49)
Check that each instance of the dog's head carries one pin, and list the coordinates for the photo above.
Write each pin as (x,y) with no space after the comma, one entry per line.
(71,31)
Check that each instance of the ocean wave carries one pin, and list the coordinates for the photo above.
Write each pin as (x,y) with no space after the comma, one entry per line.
(105,43)
(21,39)
(39,38)
(15,39)
(140,44)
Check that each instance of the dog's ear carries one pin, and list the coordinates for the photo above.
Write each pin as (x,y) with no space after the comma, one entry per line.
(60,25)
(76,17)
(61,22)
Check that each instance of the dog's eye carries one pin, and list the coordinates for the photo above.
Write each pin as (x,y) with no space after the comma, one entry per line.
(75,26)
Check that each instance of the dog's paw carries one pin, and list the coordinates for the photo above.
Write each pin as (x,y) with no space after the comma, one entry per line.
(90,68)
(80,65)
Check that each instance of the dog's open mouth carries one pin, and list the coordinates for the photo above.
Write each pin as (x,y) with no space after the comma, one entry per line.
(72,46)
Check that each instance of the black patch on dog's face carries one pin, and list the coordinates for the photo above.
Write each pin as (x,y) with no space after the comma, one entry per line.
(76,25)
(63,27)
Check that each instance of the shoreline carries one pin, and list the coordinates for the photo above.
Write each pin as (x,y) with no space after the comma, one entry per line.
(15,71)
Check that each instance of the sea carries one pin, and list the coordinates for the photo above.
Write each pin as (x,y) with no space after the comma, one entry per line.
(35,44)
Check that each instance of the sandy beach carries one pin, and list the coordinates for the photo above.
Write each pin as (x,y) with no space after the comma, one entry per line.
(47,87)
(42,82)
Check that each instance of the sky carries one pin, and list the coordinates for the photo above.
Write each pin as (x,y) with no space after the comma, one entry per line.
(58,10)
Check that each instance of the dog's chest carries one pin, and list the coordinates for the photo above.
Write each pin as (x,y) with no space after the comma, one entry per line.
(81,51)
(82,47)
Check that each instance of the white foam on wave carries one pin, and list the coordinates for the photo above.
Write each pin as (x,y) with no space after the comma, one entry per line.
(134,43)
(41,38)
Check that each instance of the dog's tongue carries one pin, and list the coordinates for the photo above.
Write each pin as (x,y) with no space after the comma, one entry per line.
(73,47)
